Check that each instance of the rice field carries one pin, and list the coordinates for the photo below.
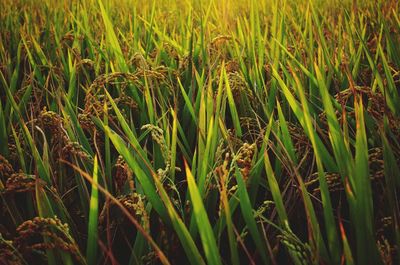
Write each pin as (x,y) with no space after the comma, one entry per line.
(200,132)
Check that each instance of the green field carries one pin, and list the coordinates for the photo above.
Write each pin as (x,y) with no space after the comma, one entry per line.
(200,132)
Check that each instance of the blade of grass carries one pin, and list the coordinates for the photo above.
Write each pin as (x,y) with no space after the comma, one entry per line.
(203,223)
(91,247)
(248,216)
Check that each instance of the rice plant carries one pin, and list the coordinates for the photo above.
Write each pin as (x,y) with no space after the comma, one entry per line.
(200,132)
